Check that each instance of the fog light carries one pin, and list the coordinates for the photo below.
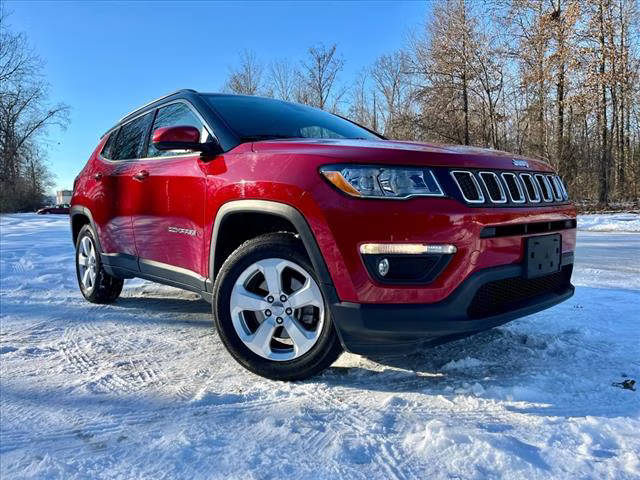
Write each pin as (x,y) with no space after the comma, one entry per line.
(383,267)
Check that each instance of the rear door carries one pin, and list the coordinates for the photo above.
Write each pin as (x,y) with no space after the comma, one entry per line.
(115,183)
(168,222)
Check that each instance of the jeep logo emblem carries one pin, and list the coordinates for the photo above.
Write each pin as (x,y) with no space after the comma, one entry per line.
(520,163)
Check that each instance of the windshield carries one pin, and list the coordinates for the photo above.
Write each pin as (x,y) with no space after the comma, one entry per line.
(256,118)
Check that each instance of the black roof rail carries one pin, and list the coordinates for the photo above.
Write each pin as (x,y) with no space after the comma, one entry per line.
(182,90)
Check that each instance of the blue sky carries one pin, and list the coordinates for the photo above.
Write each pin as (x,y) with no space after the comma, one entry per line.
(104,59)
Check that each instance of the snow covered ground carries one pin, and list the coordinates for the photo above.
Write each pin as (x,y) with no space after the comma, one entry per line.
(144,388)
(615,222)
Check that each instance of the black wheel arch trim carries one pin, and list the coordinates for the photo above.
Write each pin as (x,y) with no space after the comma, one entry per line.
(76,210)
(269,207)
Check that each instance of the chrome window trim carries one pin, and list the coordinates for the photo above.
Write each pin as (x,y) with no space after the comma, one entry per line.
(516,179)
(182,90)
(554,187)
(475,182)
(537,199)
(547,187)
(503,198)
(152,110)
(118,127)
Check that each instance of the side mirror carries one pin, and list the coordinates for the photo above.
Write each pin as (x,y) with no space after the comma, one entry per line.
(182,138)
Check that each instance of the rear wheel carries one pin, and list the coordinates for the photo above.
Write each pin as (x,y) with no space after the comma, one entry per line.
(96,285)
(270,312)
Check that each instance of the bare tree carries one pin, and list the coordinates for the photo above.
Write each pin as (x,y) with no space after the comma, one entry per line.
(283,79)
(319,75)
(25,117)
(442,60)
(391,82)
(362,108)
(246,78)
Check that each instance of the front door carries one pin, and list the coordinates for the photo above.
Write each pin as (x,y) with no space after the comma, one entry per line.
(168,222)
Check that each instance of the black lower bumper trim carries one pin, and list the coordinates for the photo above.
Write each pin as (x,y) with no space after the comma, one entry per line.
(378,329)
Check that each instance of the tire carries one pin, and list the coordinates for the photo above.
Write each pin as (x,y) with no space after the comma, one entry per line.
(258,337)
(96,285)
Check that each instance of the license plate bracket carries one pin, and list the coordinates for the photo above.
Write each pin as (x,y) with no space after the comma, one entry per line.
(543,255)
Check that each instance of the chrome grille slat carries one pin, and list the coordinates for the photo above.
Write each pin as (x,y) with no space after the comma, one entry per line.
(545,188)
(561,188)
(521,196)
(555,190)
(503,196)
(531,187)
(467,175)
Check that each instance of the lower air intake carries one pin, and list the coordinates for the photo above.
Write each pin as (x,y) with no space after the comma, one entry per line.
(502,296)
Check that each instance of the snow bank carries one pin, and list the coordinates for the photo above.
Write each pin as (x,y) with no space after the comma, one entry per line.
(609,222)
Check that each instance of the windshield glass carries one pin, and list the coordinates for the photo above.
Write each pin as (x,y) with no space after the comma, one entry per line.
(256,118)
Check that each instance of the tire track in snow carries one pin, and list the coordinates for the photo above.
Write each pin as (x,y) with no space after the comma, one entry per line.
(77,358)
(342,418)
(117,424)
(130,376)
(114,367)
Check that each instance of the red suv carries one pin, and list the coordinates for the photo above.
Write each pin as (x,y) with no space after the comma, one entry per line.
(310,234)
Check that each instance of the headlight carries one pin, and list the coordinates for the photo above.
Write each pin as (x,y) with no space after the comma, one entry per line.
(383,182)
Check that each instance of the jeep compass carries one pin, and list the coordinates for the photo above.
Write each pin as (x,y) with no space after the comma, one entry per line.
(311,235)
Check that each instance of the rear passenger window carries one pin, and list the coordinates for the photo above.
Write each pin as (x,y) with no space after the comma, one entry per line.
(108,146)
(130,140)
(176,114)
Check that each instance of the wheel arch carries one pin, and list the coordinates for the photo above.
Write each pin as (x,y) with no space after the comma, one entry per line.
(80,216)
(284,216)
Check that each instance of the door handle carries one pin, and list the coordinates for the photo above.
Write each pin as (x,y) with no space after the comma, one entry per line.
(97,176)
(141,175)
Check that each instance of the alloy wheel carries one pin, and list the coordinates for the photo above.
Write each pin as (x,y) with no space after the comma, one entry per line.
(87,263)
(277,309)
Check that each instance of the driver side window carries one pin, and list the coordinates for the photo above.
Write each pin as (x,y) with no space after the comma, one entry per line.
(176,114)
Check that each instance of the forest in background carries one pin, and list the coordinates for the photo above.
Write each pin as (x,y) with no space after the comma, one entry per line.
(26,114)
(550,79)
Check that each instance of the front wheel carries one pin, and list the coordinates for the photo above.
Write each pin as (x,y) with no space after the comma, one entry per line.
(96,285)
(270,312)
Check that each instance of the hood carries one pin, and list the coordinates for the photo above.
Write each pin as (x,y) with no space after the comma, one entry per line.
(402,153)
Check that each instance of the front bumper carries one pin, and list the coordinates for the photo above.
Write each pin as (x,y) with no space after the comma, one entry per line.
(382,329)
(342,225)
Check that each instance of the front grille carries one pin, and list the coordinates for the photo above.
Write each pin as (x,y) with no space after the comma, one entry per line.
(506,295)
(508,188)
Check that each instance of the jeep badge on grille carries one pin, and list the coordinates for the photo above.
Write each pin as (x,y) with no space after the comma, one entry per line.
(520,163)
